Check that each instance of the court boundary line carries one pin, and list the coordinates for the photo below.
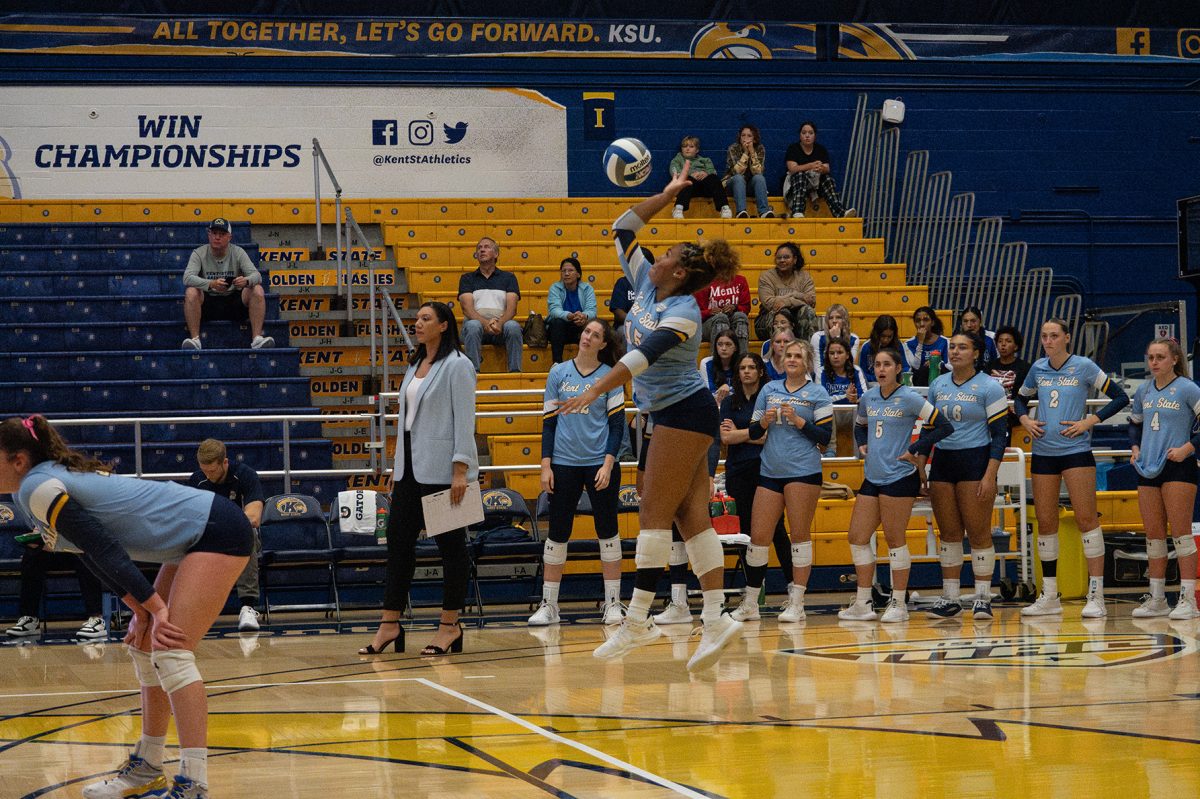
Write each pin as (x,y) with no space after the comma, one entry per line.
(662,782)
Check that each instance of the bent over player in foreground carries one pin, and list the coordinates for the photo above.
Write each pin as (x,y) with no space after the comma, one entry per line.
(202,541)
(662,331)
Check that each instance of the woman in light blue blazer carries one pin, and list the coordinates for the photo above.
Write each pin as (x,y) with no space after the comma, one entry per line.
(570,305)
(437,422)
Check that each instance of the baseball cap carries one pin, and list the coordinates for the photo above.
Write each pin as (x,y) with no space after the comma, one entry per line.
(221,224)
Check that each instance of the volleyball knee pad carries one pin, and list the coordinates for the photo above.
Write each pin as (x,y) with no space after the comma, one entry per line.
(1047,547)
(1185,545)
(983,563)
(678,554)
(899,558)
(610,549)
(802,554)
(950,554)
(653,549)
(862,555)
(554,553)
(705,553)
(1156,547)
(143,668)
(176,668)
(1093,543)
(756,555)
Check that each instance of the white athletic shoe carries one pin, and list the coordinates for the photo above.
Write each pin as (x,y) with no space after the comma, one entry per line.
(748,610)
(136,778)
(1045,605)
(545,614)
(92,629)
(629,636)
(677,212)
(1094,609)
(717,636)
(896,611)
(849,213)
(793,609)
(26,627)
(1152,606)
(184,788)
(726,212)
(797,216)
(675,613)
(614,612)
(262,343)
(858,611)
(248,620)
(1185,608)
(190,343)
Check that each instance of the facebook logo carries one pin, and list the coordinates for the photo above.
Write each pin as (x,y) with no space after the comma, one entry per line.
(383,132)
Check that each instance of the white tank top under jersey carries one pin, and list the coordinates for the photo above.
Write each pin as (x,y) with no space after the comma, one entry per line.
(410,402)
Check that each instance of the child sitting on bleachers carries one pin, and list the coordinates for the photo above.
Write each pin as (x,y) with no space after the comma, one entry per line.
(702,173)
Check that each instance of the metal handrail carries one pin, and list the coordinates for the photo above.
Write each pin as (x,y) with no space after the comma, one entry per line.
(339,251)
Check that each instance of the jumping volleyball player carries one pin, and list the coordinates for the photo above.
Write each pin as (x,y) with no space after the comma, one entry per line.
(1062,451)
(202,541)
(962,479)
(1162,430)
(662,331)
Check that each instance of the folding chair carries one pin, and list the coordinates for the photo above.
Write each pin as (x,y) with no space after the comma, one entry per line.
(295,538)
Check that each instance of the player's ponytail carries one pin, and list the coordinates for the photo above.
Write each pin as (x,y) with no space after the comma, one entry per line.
(712,261)
(34,435)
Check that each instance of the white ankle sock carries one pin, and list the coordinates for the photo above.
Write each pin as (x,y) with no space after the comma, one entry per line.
(150,749)
(714,601)
(864,594)
(1096,586)
(951,589)
(193,764)
(550,592)
(1158,587)
(612,591)
(679,594)
(639,605)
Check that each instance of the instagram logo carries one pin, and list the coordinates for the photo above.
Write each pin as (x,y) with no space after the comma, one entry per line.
(420,132)
(1189,42)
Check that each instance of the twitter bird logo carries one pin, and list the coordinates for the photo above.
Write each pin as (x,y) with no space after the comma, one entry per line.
(455,134)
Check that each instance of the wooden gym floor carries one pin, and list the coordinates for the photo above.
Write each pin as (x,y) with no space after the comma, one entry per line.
(1050,708)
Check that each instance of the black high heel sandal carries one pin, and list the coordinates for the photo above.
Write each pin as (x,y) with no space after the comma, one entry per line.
(455,646)
(396,643)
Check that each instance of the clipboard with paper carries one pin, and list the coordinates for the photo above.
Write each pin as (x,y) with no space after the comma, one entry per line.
(441,516)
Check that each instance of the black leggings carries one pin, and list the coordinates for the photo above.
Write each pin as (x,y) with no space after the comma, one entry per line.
(35,563)
(405,523)
(569,485)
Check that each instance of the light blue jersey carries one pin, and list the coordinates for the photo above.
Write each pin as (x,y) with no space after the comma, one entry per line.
(889,423)
(579,439)
(1167,419)
(153,522)
(970,407)
(662,375)
(1062,397)
(788,452)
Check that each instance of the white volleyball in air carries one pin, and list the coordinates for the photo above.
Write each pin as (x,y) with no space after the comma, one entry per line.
(627,162)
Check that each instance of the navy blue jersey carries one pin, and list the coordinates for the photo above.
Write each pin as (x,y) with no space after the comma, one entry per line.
(241,485)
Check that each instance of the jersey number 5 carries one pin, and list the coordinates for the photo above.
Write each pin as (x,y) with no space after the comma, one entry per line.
(879,429)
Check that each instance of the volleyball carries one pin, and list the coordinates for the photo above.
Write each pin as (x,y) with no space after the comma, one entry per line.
(627,162)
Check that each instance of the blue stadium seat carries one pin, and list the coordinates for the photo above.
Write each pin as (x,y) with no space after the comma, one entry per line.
(361,563)
(295,540)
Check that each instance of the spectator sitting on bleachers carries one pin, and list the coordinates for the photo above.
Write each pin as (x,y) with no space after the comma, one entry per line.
(718,368)
(488,300)
(808,171)
(222,283)
(725,305)
(787,288)
(774,364)
(884,333)
(619,303)
(971,321)
(571,304)
(240,485)
(926,342)
(702,173)
(841,379)
(1006,367)
(35,563)
(744,161)
(836,325)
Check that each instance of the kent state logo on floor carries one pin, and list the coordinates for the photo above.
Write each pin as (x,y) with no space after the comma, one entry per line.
(1076,650)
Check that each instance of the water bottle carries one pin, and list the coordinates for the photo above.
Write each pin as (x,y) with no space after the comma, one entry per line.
(381,523)
(935,364)
(730,504)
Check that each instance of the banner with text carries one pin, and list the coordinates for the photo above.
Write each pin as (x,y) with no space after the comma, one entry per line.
(203,141)
(393,36)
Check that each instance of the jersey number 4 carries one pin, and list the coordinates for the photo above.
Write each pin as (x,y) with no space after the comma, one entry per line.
(1154,425)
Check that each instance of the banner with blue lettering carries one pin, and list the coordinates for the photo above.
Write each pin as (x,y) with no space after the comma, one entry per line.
(904,42)
(218,141)
(390,36)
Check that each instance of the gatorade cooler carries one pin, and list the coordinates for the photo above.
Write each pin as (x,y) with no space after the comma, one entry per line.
(1072,565)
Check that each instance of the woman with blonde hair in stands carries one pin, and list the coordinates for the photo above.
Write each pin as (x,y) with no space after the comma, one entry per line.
(1062,453)
(664,341)
(202,541)
(1162,426)
(835,325)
